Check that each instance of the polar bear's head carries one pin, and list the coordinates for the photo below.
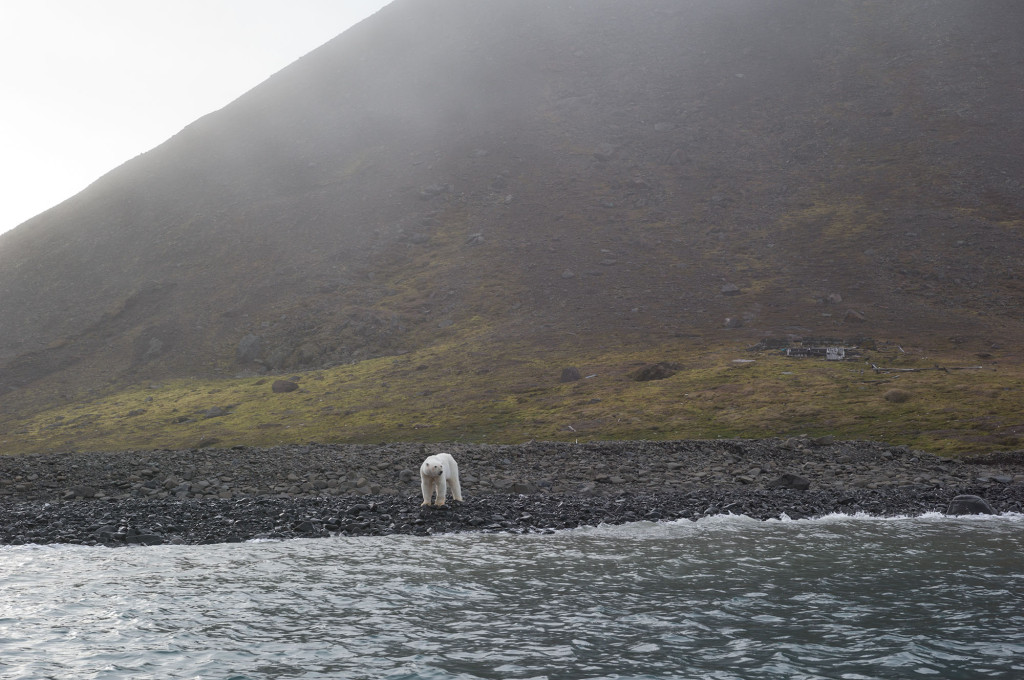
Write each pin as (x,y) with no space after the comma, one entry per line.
(433,469)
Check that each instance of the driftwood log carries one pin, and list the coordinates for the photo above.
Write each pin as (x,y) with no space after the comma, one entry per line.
(885,369)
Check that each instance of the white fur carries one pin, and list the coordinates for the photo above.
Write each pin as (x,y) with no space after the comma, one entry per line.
(436,473)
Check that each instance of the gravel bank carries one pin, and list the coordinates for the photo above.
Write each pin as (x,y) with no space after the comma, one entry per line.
(218,495)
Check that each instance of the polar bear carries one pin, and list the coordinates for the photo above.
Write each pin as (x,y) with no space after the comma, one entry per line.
(436,473)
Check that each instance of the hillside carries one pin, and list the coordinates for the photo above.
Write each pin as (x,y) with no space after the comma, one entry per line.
(527,181)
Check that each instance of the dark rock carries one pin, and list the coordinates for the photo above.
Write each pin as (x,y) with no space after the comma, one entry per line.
(570,374)
(789,480)
(524,488)
(795,443)
(967,504)
(83,491)
(282,386)
(730,289)
(658,371)
(143,539)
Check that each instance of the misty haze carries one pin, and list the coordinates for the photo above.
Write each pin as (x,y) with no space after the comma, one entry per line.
(714,305)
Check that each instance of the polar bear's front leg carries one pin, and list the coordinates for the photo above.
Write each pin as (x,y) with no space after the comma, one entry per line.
(442,490)
(427,487)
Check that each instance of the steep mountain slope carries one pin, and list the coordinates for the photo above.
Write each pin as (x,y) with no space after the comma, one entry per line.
(545,172)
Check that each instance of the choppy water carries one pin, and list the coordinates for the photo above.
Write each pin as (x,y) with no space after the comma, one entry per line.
(721,598)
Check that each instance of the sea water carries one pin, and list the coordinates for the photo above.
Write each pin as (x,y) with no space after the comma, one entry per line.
(725,597)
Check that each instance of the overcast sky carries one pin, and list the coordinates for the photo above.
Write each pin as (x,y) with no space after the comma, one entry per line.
(85,85)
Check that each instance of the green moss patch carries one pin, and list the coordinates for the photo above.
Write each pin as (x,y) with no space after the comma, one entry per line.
(477,388)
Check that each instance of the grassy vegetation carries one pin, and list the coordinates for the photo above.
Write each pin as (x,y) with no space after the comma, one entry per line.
(462,391)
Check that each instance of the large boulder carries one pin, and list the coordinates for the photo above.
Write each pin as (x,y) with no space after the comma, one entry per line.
(967,504)
(570,374)
(283,386)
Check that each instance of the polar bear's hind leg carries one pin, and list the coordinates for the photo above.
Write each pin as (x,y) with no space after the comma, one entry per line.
(456,484)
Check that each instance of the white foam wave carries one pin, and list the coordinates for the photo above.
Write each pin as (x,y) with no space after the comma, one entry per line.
(728,523)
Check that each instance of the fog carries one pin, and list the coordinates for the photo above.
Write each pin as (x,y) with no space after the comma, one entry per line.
(87,86)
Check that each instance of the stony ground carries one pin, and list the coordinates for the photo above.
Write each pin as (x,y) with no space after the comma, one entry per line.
(217,495)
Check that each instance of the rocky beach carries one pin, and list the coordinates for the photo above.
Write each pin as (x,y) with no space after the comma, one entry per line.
(319,490)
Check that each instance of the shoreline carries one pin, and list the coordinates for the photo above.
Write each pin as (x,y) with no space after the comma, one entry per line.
(231,495)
